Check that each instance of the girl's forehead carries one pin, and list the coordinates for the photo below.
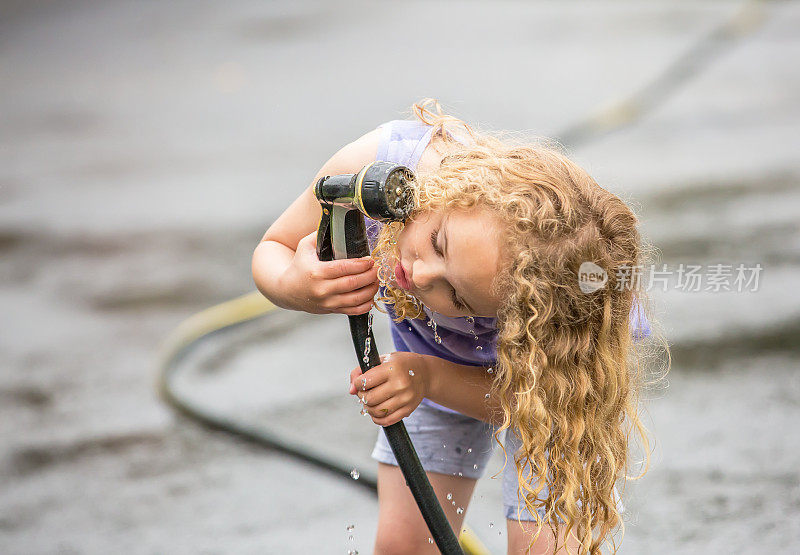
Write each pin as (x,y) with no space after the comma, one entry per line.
(474,217)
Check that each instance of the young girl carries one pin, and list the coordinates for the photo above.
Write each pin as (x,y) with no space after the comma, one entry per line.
(496,327)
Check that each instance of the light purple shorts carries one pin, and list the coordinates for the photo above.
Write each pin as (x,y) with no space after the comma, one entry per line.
(455,444)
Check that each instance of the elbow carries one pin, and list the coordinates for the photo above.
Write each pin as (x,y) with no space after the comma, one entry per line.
(255,268)
(254,264)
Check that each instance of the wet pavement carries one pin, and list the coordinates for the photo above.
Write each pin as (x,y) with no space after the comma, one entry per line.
(145,148)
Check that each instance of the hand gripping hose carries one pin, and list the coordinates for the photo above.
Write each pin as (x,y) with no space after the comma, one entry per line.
(381,190)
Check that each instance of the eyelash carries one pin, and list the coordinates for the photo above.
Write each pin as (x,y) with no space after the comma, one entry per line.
(456,303)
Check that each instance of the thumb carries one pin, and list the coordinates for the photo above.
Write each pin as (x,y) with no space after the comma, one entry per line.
(310,240)
(354,374)
(307,246)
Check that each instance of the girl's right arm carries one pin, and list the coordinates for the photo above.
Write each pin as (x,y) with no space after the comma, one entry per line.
(285,265)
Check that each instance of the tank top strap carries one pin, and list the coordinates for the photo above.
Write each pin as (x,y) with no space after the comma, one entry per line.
(403,142)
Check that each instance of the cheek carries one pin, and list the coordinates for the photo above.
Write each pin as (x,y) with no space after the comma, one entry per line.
(405,239)
(401,239)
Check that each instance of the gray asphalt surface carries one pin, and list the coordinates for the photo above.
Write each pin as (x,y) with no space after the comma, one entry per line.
(145,148)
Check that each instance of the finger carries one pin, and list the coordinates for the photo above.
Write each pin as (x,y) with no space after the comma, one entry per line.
(354,299)
(354,282)
(355,373)
(308,242)
(369,379)
(332,269)
(388,418)
(381,410)
(360,309)
(379,396)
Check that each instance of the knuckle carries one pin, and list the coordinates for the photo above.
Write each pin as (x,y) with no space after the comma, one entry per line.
(319,289)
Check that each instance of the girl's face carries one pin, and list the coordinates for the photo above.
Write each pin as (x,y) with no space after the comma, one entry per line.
(449,260)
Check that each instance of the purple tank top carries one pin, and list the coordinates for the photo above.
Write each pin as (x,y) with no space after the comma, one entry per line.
(470,343)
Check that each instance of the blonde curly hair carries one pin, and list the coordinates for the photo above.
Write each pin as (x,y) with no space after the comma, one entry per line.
(568,374)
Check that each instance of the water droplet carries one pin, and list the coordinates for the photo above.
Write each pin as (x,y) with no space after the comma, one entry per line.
(460,474)
(410,372)
(354,474)
(363,384)
(444,446)
(491,370)
(491,525)
(449,496)
(350,538)
(469,450)
(475,467)
(367,348)
(486,396)
(350,527)
(460,510)
(470,320)
(479,348)
(432,324)
(352,552)
(430,540)
(409,328)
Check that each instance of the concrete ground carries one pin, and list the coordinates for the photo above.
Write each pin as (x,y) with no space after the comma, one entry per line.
(145,148)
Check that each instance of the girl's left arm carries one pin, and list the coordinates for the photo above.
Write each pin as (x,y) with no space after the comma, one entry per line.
(393,390)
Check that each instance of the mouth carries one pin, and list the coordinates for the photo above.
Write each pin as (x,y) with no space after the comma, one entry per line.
(401,277)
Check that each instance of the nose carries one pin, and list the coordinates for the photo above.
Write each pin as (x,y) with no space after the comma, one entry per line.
(423,274)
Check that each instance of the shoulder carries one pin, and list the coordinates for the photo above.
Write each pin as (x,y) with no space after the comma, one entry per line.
(355,155)
(375,145)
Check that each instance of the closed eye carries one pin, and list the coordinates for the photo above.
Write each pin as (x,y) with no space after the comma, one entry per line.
(456,303)
(434,233)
